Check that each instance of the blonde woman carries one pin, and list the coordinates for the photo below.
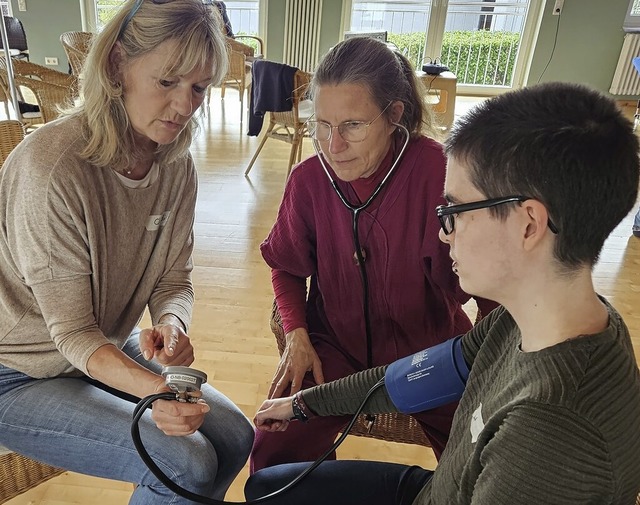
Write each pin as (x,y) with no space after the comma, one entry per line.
(97,225)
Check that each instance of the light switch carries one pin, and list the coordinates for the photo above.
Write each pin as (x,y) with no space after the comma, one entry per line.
(22,5)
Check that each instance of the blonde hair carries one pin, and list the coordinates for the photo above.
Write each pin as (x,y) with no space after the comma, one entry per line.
(200,41)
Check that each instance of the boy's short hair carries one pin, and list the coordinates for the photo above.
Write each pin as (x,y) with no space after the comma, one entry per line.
(563,144)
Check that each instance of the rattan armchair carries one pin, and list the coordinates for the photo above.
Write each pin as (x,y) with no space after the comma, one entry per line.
(50,97)
(5,99)
(76,45)
(28,120)
(392,427)
(52,89)
(35,71)
(18,474)
(238,75)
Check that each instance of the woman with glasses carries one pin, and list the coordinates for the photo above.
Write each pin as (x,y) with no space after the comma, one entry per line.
(97,219)
(549,386)
(356,221)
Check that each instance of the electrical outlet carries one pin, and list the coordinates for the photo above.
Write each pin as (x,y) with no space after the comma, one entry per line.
(22,5)
(50,60)
(557,7)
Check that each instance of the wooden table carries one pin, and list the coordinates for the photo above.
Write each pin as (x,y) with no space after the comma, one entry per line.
(446,83)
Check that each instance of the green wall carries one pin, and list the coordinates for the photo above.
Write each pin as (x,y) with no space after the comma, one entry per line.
(589,41)
(44,21)
(589,38)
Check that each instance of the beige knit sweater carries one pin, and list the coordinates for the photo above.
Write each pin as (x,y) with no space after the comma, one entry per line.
(81,255)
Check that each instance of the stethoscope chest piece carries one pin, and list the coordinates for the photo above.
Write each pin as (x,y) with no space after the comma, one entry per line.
(363,255)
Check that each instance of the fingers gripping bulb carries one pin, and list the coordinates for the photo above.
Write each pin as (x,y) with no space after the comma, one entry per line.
(184,381)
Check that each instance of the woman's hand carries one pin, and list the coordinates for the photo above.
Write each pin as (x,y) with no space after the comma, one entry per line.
(298,358)
(177,418)
(274,415)
(167,343)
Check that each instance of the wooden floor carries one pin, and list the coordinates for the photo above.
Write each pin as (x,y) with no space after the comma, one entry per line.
(233,294)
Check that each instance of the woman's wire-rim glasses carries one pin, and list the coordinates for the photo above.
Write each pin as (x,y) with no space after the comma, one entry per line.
(133,12)
(350,131)
(446,213)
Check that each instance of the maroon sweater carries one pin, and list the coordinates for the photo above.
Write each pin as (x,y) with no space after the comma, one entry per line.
(414,297)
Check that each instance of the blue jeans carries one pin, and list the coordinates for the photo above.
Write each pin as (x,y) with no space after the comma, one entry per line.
(80,425)
(341,483)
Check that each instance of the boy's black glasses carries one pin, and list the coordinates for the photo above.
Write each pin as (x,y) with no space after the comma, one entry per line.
(446,213)
(134,10)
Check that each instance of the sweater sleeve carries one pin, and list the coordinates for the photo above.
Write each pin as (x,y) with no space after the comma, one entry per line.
(291,243)
(48,228)
(344,396)
(543,454)
(173,293)
(291,294)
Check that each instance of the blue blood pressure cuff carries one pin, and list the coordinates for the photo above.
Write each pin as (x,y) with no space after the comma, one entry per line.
(428,379)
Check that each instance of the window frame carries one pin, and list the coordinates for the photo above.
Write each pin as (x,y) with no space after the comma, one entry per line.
(434,33)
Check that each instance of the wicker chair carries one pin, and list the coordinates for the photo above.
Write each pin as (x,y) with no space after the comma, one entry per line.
(52,89)
(289,126)
(50,97)
(238,75)
(11,134)
(18,473)
(392,427)
(5,99)
(76,45)
(35,71)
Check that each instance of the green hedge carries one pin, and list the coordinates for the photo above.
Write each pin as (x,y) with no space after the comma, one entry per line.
(476,57)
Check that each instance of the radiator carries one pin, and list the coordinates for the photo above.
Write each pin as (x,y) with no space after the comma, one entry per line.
(626,80)
(302,33)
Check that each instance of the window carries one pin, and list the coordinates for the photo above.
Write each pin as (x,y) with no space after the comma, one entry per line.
(632,20)
(243,14)
(5,5)
(481,41)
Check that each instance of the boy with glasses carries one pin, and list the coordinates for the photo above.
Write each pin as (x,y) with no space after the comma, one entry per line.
(536,181)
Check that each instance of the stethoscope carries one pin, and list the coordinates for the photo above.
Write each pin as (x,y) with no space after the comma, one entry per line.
(355,215)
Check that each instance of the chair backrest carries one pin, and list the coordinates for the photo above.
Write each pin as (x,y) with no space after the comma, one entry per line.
(292,118)
(237,63)
(15,34)
(76,45)
(240,47)
(11,134)
(50,97)
(53,89)
(46,74)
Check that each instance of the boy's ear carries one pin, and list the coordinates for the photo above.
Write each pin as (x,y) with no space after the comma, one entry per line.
(537,219)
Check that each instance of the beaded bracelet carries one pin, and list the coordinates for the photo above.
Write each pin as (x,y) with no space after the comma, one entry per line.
(300,410)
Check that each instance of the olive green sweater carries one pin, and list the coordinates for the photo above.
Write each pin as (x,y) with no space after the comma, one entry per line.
(81,254)
(557,426)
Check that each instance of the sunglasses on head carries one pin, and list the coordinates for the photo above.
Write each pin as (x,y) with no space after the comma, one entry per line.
(134,10)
